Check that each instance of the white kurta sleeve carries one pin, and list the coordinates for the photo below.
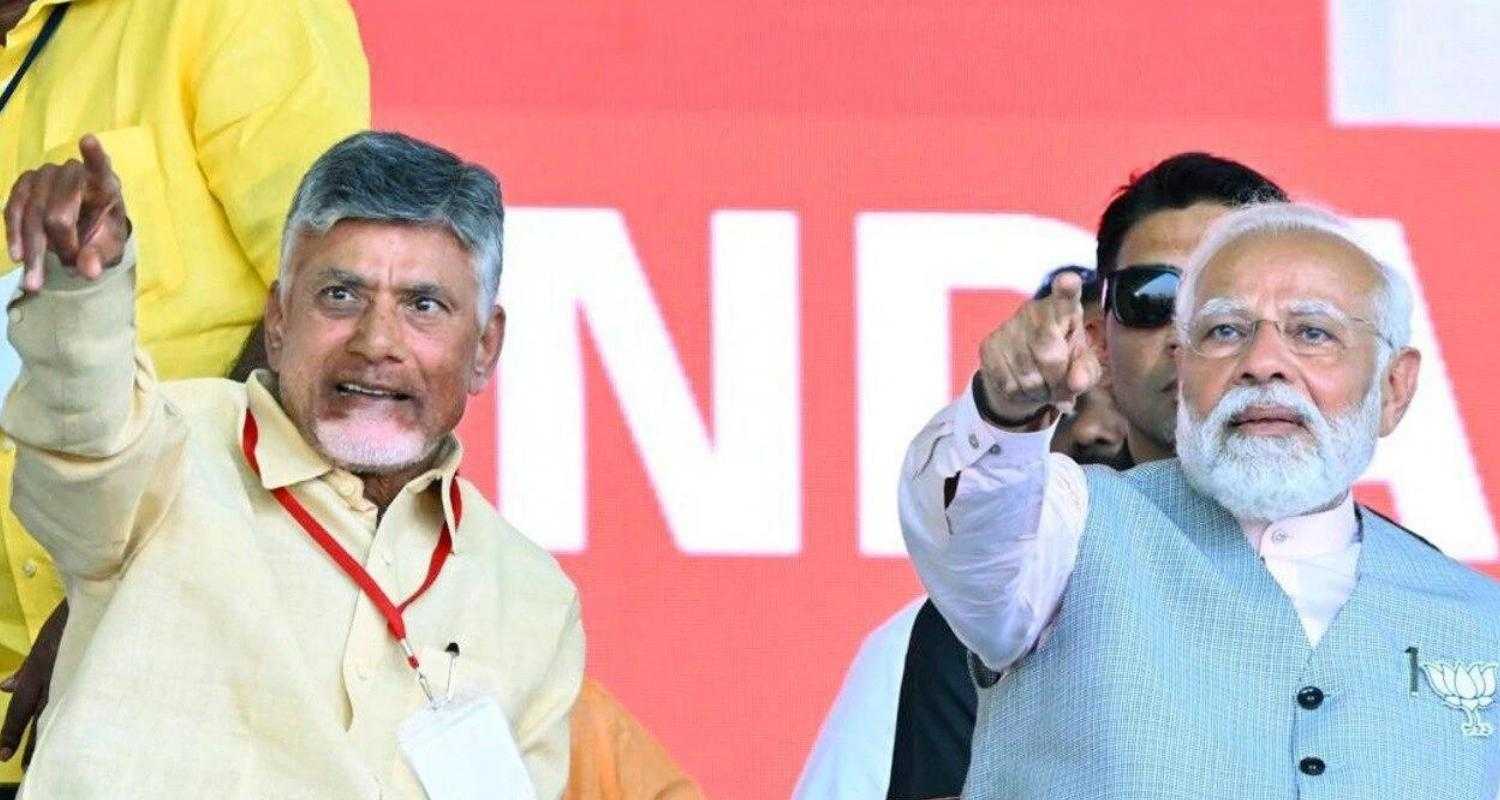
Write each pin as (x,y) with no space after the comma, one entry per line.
(992,522)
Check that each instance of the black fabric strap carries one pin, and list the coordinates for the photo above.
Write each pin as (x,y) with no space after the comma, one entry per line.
(48,28)
(976,386)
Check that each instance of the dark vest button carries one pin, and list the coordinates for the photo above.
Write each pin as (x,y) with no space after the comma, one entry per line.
(1312,765)
(1310,697)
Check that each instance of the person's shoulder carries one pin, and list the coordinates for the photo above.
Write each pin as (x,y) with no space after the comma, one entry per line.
(524,564)
(1432,570)
(205,396)
(212,406)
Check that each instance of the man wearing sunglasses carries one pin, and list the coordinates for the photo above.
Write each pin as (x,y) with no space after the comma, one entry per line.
(1230,622)
(1145,235)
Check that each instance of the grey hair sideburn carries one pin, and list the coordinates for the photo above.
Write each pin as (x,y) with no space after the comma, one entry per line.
(382,176)
(1392,301)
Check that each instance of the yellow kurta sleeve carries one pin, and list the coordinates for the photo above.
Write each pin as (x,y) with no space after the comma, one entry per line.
(93,436)
(542,729)
(283,82)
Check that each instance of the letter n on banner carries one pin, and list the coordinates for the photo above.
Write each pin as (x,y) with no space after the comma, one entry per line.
(733,490)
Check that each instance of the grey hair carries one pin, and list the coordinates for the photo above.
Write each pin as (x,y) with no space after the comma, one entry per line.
(1393,299)
(382,176)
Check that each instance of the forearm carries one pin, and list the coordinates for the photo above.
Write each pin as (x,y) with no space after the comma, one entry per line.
(992,523)
(76,339)
(90,427)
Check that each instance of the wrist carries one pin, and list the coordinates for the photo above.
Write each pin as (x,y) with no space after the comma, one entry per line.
(1024,421)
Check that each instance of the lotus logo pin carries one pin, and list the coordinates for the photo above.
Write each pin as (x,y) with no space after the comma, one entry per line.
(1469,688)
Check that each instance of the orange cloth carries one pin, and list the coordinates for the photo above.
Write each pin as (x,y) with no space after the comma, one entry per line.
(614,757)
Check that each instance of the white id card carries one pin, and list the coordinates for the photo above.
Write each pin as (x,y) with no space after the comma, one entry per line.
(462,749)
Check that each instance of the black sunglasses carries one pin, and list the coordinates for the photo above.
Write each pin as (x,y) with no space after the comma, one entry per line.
(1142,295)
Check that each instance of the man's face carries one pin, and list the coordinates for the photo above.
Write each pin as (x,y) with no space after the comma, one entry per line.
(377,346)
(1283,425)
(1139,362)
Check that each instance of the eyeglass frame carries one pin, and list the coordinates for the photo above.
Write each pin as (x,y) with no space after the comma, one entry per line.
(1255,324)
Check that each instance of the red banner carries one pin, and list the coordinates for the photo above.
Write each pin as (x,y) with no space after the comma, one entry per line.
(751,249)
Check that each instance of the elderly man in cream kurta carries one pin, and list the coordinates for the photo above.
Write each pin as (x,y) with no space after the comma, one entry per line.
(216,648)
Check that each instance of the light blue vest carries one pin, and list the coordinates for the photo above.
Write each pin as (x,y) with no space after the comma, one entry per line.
(1176,663)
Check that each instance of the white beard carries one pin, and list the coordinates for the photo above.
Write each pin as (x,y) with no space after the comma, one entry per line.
(1270,478)
(371,444)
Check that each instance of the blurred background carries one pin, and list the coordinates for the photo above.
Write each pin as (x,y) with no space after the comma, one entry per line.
(751,248)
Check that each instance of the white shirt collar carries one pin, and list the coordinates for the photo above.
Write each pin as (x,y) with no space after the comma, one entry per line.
(1314,534)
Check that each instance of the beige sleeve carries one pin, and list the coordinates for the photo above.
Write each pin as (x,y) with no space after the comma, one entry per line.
(94,440)
(542,733)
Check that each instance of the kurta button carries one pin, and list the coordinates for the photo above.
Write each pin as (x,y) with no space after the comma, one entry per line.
(973,440)
(1310,697)
(30,567)
(1312,765)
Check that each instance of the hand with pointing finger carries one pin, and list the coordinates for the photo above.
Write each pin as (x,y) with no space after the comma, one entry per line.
(74,210)
(1040,357)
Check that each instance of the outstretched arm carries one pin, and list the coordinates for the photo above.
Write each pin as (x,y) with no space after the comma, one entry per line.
(992,521)
(94,439)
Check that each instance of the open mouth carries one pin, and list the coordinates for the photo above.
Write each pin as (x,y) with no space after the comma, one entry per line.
(369,391)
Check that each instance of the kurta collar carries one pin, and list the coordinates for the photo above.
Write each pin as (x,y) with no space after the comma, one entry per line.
(285,458)
(1318,533)
(39,8)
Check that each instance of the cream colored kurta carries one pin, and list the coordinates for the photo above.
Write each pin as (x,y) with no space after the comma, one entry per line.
(213,650)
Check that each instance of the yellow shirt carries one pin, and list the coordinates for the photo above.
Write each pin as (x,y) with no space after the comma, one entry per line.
(211,112)
(212,649)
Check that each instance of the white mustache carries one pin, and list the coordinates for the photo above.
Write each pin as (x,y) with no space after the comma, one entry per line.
(1242,398)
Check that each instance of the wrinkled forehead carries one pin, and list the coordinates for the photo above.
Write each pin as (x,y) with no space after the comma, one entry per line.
(390,254)
(1284,272)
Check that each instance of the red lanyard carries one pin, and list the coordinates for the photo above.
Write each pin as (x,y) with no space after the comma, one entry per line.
(392,612)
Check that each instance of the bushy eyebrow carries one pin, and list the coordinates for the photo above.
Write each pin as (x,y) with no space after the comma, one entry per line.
(1323,307)
(424,288)
(1217,306)
(353,280)
(341,276)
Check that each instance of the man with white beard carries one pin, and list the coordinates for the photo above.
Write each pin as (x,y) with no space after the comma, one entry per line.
(1228,623)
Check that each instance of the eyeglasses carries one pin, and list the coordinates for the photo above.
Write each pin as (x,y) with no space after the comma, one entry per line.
(1322,335)
(1142,295)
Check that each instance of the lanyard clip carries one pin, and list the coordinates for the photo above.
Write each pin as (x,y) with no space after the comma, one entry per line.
(411,658)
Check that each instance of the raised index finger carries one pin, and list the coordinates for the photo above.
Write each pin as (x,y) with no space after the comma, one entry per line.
(1065,301)
(95,160)
(1068,288)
